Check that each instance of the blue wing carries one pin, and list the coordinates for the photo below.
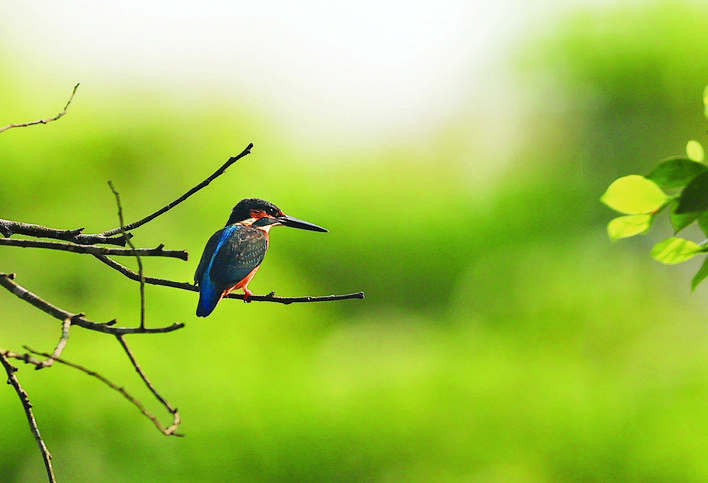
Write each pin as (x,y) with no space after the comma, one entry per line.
(207,255)
(242,250)
(229,256)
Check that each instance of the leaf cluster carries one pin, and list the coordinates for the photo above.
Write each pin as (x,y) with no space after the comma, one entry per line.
(677,185)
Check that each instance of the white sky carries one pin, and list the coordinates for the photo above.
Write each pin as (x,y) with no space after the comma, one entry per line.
(352,71)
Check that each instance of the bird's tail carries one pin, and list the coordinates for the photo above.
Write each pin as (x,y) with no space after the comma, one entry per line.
(209,296)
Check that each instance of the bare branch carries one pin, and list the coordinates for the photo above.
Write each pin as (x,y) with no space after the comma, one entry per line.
(44,121)
(24,399)
(158,251)
(179,200)
(176,420)
(271,297)
(137,256)
(6,280)
(30,360)
(9,228)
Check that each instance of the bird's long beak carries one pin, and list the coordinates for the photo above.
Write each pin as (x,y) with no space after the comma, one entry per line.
(297,223)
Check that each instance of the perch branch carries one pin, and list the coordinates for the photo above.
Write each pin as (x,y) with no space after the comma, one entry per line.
(271,297)
(158,251)
(6,280)
(44,121)
(27,405)
(179,200)
(9,228)
(176,420)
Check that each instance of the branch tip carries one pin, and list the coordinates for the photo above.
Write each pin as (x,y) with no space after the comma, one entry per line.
(44,121)
(179,200)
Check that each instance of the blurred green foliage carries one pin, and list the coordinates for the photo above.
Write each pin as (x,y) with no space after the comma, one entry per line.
(501,339)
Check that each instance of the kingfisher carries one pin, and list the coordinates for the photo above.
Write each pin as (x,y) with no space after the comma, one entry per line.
(233,254)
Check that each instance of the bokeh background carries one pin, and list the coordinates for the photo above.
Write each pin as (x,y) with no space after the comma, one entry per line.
(455,150)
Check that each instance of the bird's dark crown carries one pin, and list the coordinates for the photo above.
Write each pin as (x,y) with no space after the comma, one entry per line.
(253,208)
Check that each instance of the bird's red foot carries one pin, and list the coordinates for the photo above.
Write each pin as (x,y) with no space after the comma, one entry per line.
(246,293)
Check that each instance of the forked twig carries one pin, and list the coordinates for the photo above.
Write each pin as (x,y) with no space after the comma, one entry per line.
(176,420)
(65,326)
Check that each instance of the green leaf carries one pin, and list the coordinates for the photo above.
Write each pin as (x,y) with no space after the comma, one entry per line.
(628,225)
(634,194)
(694,151)
(700,275)
(694,196)
(681,220)
(675,250)
(705,100)
(676,172)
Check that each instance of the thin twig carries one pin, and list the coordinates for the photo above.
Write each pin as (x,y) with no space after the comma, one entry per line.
(158,251)
(27,405)
(271,297)
(176,420)
(44,121)
(137,256)
(65,326)
(6,280)
(103,379)
(179,200)
(9,228)
(175,414)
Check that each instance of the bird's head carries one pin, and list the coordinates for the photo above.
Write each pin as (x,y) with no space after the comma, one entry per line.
(257,212)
